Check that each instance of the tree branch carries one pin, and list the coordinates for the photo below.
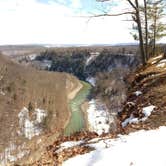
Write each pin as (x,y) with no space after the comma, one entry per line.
(107,14)
(131,3)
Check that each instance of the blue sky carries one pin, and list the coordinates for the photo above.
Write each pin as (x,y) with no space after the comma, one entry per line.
(61,22)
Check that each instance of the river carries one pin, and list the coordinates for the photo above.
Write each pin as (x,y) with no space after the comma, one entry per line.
(77,121)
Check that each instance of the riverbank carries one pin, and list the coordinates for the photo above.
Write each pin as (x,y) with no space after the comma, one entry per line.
(75,90)
(98,118)
(84,108)
(77,120)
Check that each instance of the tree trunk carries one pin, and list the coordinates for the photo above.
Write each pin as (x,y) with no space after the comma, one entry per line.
(141,43)
(146,31)
(154,33)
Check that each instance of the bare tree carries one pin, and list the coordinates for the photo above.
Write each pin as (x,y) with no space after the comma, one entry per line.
(146,15)
(135,13)
(146,29)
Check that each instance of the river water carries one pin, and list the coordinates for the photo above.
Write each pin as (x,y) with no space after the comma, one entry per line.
(77,121)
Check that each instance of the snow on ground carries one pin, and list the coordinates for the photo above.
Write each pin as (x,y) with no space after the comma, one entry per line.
(9,154)
(30,128)
(161,64)
(146,111)
(32,56)
(142,148)
(98,117)
(130,120)
(91,80)
(93,56)
(163,61)
(69,144)
(138,93)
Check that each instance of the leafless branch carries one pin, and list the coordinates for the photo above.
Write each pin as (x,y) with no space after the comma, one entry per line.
(131,3)
(107,14)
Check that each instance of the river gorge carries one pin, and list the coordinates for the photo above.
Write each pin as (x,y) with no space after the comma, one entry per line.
(105,72)
(69,92)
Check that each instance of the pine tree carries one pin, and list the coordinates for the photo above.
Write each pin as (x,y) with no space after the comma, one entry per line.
(148,26)
(157,29)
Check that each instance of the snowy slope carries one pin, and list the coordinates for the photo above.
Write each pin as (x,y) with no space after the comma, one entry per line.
(142,148)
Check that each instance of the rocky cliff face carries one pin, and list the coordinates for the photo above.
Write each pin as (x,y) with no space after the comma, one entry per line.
(33,110)
(88,64)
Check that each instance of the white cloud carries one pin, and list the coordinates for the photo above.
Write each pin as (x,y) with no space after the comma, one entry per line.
(28,21)
(76,4)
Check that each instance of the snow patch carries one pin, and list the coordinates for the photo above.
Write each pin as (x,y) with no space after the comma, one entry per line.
(32,56)
(132,120)
(148,110)
(161,65)
(138,93)
(69,144)
(98,118)
(91,80)
(30,128)
(93,56)
(163,61)
(12,153)
(141,148)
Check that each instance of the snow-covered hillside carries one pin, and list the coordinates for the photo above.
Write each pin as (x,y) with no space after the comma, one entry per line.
(142,148)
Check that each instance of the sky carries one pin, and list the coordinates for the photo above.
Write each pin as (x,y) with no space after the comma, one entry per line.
(61,22)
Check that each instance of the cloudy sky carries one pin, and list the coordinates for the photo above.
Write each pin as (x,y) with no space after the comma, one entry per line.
(60,22)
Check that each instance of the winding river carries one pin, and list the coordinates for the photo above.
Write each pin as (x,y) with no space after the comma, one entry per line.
(77,122)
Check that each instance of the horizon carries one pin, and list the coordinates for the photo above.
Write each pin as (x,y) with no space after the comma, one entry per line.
(60,22)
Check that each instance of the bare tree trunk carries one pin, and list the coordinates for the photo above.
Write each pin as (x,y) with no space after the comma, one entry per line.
(146,31)
(140,33)
(154,34)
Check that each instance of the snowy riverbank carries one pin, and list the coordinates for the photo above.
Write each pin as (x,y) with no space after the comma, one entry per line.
(98,117)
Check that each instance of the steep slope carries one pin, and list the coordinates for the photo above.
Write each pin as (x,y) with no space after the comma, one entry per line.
(146,97)
(33,108)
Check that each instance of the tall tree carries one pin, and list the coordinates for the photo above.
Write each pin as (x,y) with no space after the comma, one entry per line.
(141,16)
(157,29)
(135,6)
(146,29)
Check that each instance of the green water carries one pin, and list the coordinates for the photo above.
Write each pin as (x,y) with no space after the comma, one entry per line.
(77,119)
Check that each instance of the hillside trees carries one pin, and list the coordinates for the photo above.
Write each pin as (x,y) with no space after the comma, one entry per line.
(146,16)
(152,13)
(157,29)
